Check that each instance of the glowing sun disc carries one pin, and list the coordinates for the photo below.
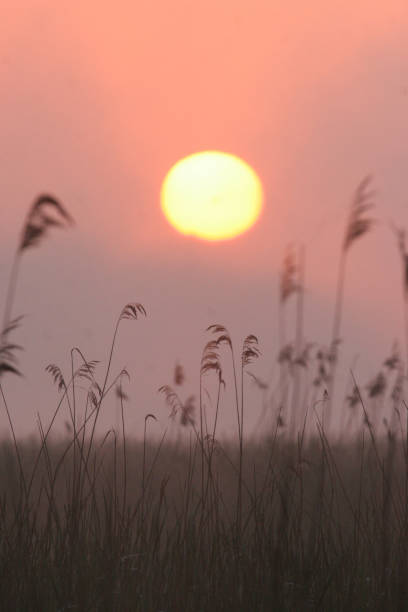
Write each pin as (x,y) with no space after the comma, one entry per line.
(211,195)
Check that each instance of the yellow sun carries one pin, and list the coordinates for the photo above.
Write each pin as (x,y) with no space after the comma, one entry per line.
(211,195)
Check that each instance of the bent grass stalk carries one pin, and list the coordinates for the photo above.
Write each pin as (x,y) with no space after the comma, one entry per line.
(358,224)
(45,212)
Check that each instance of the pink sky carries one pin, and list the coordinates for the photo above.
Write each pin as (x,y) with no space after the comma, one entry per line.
(99,100)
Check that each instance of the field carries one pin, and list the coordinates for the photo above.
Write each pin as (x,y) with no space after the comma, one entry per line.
(305,525)
(304,518)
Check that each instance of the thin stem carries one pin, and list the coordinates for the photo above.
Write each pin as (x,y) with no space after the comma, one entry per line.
(201,435)
(14,441)
(11,289)
(406,329)
(281,335)
(147,417)
(98,407)
(110,355)
(336,331)
(241,434)
(298,338)
(236,388)
(124,453)
(74,425)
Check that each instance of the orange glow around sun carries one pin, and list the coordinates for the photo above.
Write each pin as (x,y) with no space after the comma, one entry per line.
(211,195)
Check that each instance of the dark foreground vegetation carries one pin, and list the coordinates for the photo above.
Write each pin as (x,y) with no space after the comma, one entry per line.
(166,528)
(302,518)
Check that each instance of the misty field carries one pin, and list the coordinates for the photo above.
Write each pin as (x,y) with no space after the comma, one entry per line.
(304,517)
(316,527)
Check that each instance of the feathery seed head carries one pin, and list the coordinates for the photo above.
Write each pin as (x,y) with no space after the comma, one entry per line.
(358,224)
(288,283)
(45,212)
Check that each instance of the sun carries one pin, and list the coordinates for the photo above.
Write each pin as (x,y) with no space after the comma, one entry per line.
(212,195)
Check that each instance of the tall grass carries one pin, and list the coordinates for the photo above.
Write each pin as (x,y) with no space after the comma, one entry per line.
(322,525)
(45,212)
(358,224)
(293,520)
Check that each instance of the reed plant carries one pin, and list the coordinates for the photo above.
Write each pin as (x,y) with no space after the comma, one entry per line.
(293,519)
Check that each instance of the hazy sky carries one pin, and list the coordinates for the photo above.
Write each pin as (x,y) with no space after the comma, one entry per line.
(98,100)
